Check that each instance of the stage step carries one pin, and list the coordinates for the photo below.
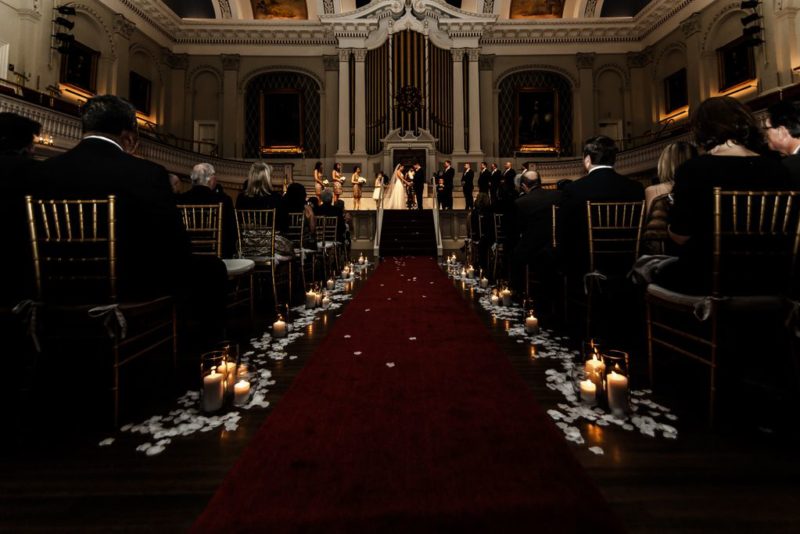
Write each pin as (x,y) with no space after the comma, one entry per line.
(408,233)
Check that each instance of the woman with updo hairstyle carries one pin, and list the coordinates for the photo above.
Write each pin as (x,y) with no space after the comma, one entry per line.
(258,195)
(733,143)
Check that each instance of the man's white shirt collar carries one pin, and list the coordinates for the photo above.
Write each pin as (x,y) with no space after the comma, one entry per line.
(106,139)
(596,167)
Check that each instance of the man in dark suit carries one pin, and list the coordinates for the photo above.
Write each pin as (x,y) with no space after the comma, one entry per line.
(484,180)
(495,180)
(204,191)
(448,177)
(16,150)
(782,127)
(601,183)
(153,248)
(508,187)
(419,183)
(467,184)
(534,221)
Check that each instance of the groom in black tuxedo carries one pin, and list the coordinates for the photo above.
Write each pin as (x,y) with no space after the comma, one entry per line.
(419,183)
(448,176)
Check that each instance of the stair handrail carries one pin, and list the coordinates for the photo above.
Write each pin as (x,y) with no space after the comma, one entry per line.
(376,246)
(436,227)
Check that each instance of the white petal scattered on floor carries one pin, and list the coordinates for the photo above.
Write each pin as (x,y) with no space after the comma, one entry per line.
(390,364)
(357,353)
(596,450)
(106,442)
(412,338)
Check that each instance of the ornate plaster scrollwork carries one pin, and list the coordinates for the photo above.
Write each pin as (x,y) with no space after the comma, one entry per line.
(585,61)
(231,61)
(637,60)
(691,26)
(591,6)
(176,61)
(123,26)
(327,7)
(488,6)
(457,53)
(225,9)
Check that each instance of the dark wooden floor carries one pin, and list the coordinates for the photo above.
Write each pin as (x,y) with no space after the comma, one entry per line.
(738,479)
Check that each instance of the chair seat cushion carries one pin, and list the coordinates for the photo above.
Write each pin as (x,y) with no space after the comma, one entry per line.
(237,266)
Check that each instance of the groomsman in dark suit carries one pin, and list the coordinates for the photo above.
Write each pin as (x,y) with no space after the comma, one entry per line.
(448,177)
(467,184)
(601,183)
(419,183)
(484,179)
(496,178)
(508,186)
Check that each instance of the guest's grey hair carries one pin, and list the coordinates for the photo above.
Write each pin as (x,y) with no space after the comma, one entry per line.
(326,196)
(531,179)
(202,174)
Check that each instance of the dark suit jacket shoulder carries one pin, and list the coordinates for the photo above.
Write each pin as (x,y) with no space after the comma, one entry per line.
(468,178)
(792,164)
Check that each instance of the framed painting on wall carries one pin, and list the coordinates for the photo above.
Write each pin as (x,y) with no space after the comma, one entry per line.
(281,124)
(675,91)
(79,67)
(139,90)
(735,63)
(537,120)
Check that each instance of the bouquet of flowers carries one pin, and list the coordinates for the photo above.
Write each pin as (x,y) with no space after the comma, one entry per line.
(362,180)
(325,182)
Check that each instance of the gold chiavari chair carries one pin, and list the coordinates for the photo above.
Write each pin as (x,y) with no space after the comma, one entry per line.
(74,250)
(530,279)
(306,257)
(754,273)
(327,228)
(203,223)
(256,231)
(497,250)
(474,236)
(614,233)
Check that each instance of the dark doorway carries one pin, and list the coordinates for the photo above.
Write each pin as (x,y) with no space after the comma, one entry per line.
(408,157)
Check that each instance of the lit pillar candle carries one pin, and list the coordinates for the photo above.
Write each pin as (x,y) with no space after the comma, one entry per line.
(594,370)
(229,371)
(213,391)
(470,272)
(531,324)
(311,299)
(331,284)
(495,299)
(241,392)
(361,259)
(318,299)
(326,302)
(279,328)
(506,296)
(588,392)
(484,282)
(617,385)
(463,272)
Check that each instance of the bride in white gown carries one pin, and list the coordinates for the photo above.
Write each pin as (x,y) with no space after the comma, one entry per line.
(395,198)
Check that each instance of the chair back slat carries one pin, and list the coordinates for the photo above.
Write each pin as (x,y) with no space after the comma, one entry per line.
(499,232)
(256,230)
(74,252)
(554,218)
(203,223)
(756,242)
(329,225)
(615,229)
(295,230)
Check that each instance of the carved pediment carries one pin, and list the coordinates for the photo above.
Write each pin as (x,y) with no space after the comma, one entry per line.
(395,138)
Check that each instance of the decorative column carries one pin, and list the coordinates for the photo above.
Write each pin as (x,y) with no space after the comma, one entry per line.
(230,100)
(344,102)
(29,63)
(328,103)
(486,67)
(174,116)
(781,44)
(643,110)
(695,78)
(458,100)
(123,30)
(474,55)
(586,119)
(360,55)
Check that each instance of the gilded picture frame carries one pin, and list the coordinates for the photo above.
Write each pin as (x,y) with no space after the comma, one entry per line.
(281,122)
(537,128)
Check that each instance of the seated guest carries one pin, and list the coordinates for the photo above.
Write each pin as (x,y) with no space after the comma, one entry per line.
(534,220)
(258,195)
(782,127)
(601,183)
(327,208)
(204,191)
(658,199)
(16,148)
(483,213)
(734,145)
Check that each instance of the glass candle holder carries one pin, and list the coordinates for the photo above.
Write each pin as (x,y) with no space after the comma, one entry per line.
(617,381)
(230,356)
(212,391)
(593,365)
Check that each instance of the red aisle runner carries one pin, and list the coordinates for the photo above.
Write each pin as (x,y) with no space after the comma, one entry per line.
(449,438)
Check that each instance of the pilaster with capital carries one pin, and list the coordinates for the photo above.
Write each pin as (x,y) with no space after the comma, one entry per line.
(780,29)
(458,100)
(122,30)
(691,28)
(178,64)
(360,137)
(642,101)
(230,104)
(344,102)
(586,119)
(474,54)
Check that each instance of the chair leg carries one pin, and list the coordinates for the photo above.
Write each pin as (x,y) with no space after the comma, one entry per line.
(649,319)
(252,307)
(116,386)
